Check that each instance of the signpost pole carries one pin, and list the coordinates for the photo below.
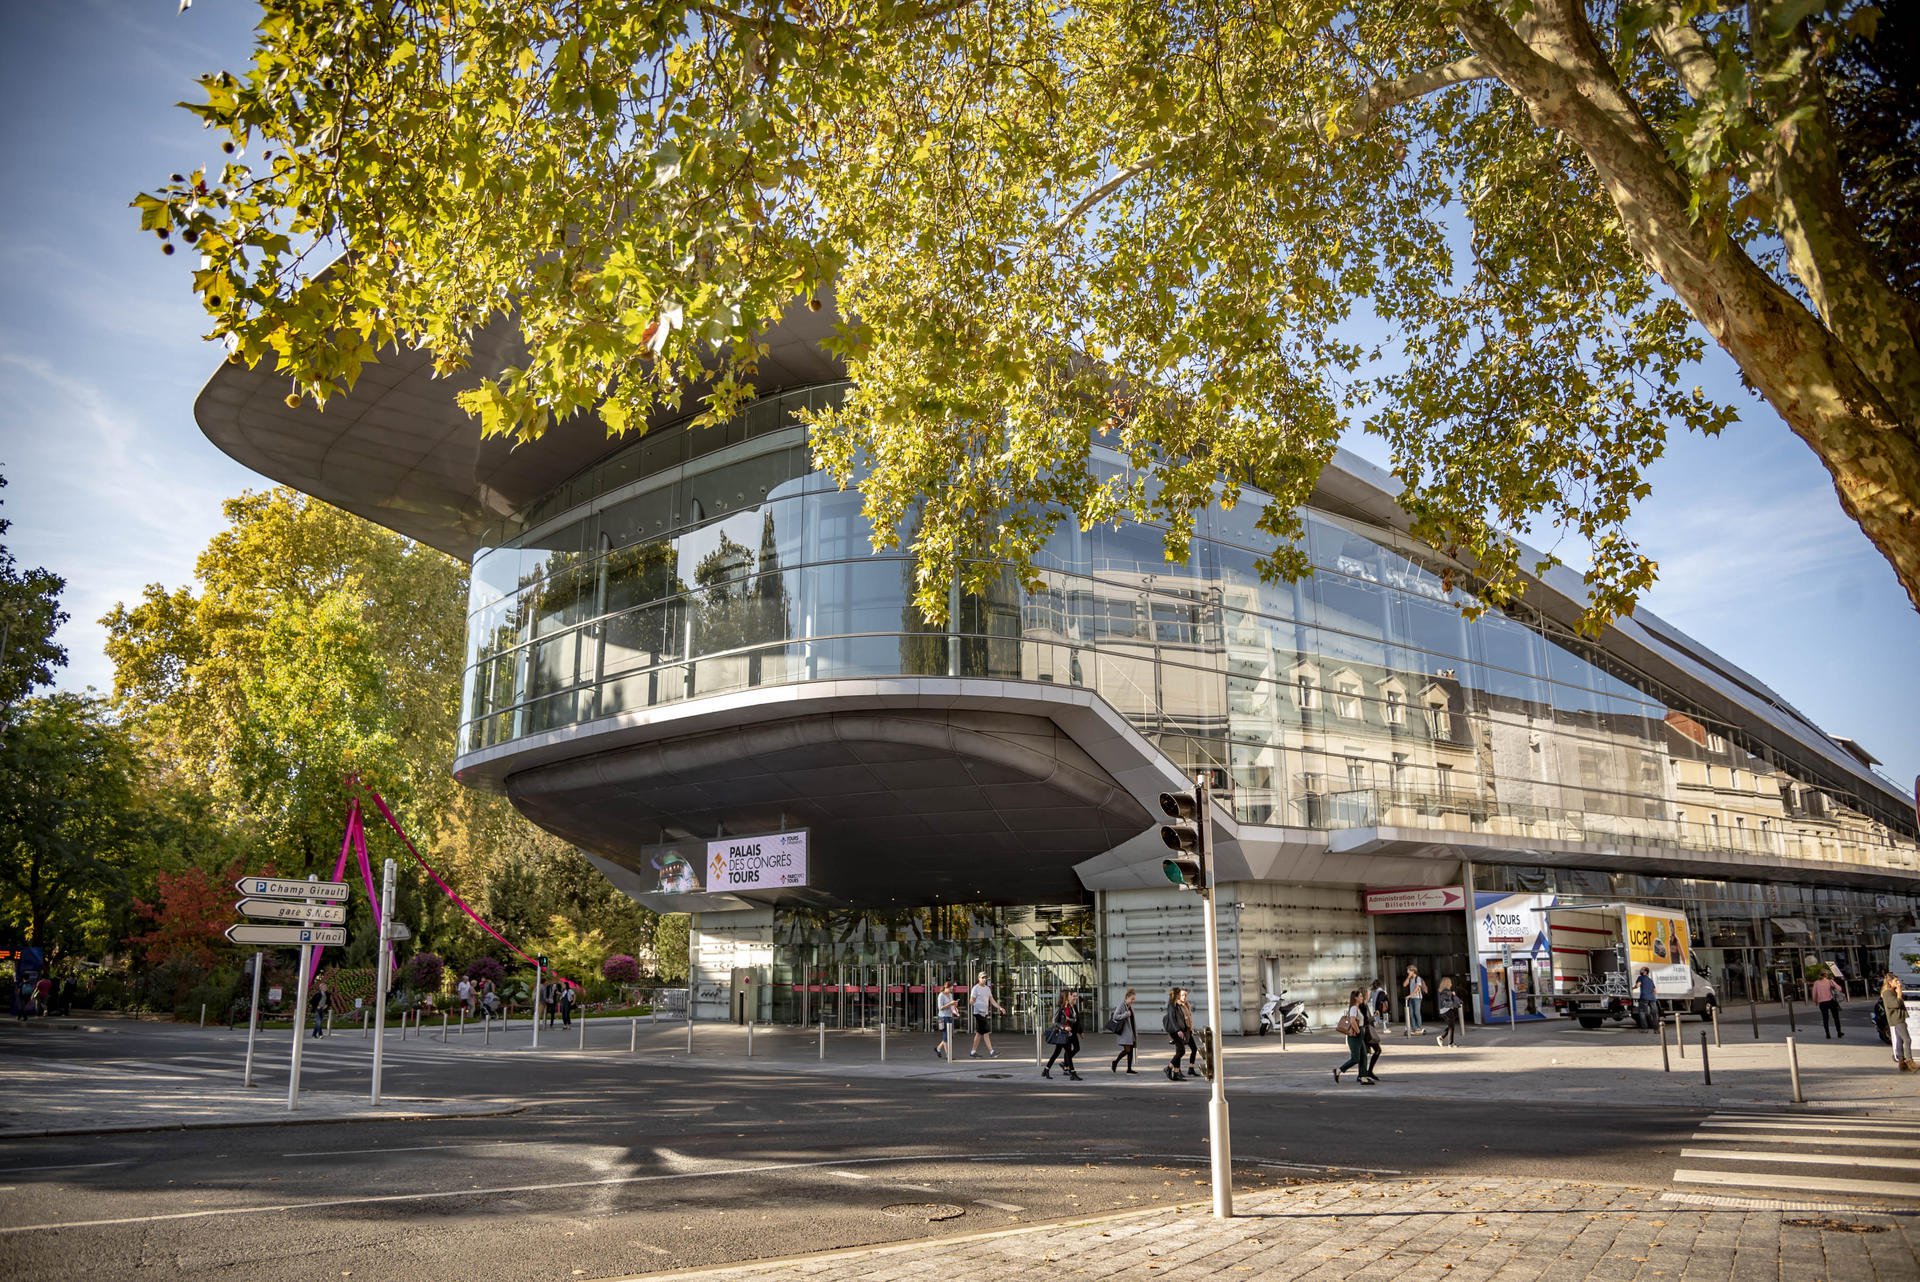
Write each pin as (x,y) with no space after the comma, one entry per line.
(382,971)
(300,1020)
(538,971)
(253,1016)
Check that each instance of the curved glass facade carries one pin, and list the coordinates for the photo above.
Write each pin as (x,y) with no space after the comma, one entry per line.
(697,563)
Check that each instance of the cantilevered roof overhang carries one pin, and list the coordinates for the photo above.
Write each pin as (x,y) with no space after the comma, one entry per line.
(399,451)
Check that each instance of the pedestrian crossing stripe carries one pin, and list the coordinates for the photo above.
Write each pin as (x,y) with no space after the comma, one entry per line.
(1797,1183)
(1807,1159)
(1844,1126)
(1834,1141)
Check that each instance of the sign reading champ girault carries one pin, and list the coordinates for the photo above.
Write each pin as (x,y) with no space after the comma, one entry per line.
(772,862)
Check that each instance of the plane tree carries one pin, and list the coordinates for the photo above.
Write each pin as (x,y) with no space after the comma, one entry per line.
(1212,236)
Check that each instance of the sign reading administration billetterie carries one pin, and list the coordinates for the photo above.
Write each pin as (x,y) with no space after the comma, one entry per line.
(772,862)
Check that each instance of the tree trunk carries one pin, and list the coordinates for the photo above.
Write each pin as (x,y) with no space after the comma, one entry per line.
(1793,360)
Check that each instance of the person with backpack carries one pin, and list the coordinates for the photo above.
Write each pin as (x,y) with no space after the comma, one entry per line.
(1064,1035)
(1379,1004)
(1121,1026)
(1353,1027)
(1371,1034)
(1179,1028)
(1447,1002)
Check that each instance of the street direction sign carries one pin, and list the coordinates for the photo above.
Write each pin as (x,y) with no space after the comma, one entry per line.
(248,933)
(287,910)
(286,888)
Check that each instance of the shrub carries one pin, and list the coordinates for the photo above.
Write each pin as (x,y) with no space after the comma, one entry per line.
(485,967)
(424,972)
(621,969)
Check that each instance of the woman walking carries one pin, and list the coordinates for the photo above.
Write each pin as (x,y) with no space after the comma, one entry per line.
(1193,1039)
(1353,1025)
(1065,1035)
(1122,1026)
(1447,1002)
(1179,1028)
(1893,1003)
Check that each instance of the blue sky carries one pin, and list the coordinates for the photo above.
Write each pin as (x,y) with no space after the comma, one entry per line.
(113,486)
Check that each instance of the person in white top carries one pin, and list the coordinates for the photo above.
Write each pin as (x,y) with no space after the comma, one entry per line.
(1415,988)
(465,991)
(1356,1020)
(980,1000)
(949,1012)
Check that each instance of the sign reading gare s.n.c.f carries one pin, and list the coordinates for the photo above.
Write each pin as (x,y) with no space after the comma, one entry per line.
(771,862)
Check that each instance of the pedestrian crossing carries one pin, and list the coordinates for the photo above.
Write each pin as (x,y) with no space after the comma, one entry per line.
(1801,1157)
(319,1058)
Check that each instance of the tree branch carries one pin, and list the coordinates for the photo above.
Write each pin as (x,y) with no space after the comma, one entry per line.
(1384,97)
(1685,50)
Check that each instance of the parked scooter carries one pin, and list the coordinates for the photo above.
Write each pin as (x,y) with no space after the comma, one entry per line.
(1276,1008)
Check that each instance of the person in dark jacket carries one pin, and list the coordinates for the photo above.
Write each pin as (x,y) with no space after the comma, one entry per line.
(1065,1035)
(1356,1020)
(564,1000)
(1178,1030)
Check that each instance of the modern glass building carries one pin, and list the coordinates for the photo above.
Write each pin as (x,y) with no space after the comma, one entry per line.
(684,657)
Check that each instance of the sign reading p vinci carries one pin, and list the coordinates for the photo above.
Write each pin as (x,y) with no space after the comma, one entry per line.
(772,862)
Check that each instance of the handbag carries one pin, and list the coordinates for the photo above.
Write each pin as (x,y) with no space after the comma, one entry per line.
(1057,1036)
(1347,1026)
(1118,1024)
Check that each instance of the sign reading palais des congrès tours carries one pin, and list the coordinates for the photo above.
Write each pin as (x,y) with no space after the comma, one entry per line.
(771,862)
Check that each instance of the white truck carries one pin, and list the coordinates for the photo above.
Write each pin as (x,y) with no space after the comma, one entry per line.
(1599,950)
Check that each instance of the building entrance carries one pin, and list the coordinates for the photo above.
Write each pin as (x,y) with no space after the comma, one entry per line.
(861,968)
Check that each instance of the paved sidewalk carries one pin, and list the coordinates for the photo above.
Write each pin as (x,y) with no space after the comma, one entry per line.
(1406,1231)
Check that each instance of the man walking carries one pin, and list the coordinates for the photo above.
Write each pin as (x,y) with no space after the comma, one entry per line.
(322,1003)
(1646,1010)
(980,1001)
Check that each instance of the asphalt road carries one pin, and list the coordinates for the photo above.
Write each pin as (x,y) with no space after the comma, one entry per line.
(624,1166)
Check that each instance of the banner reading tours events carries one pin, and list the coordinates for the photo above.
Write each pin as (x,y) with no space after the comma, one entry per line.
(1660,944)
(1512,961)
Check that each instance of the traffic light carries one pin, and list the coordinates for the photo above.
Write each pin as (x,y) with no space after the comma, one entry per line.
(1183,835)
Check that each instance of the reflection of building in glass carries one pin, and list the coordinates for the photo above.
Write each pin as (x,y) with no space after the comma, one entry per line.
(690,636)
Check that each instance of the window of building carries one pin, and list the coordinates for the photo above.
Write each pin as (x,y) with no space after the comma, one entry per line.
(1349,702)
(1439,720)
(1303,691)
(1396,707)
(1717,743)
(1445,776)
(1356,774)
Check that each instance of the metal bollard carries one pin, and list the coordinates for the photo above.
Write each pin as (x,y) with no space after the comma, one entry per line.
(1036,1037)
(1679,1038)
(203,1014)
(949,1037)
(1706,1068)
(486,1032)
(462,1030)
(329,1023)
(823,1038)
(633,1034)
(363,1023)
(1793,1070)
(749,1039)
(1792,1026)
(583,1028)
(689,1035)
(443,1028)
(883,1040)
(1666,1065)
(1714,1012)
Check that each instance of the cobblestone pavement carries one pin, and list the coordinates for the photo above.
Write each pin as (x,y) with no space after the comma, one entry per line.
(1410,1231)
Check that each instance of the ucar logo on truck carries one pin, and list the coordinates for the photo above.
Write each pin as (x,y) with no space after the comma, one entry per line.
(771,862)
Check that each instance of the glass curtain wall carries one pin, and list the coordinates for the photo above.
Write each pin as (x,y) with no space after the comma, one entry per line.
(698,563)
